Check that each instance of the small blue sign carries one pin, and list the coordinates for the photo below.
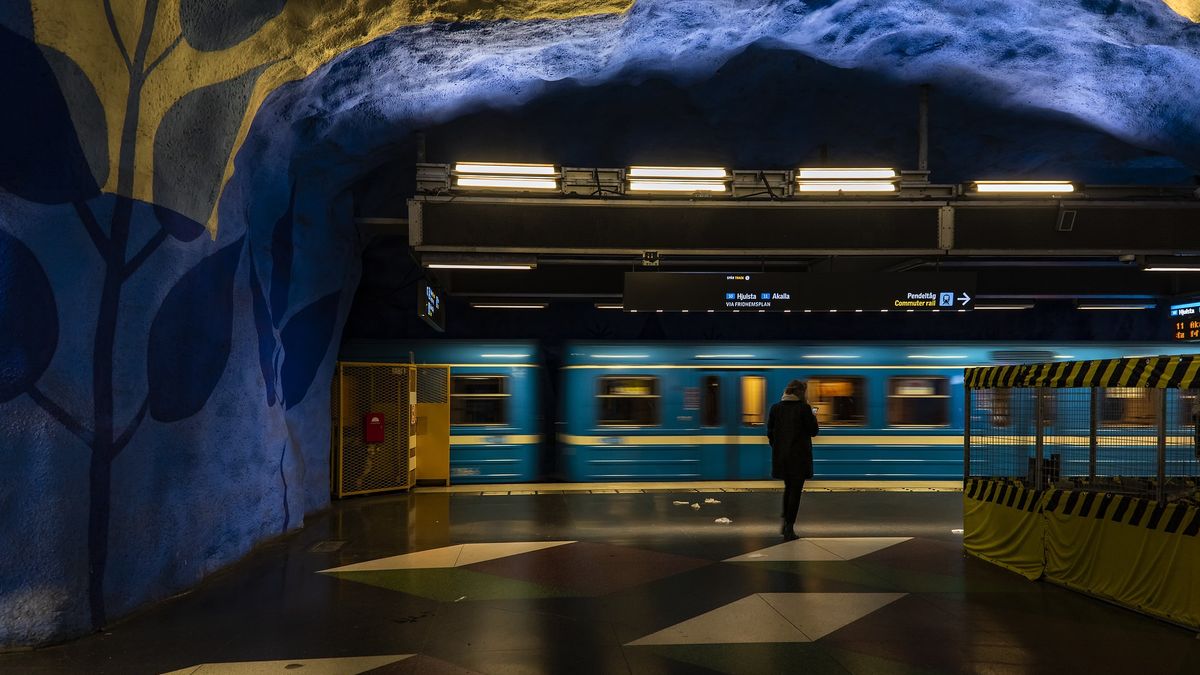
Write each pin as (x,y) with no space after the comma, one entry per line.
(946,299)
(731,296)
(765,296)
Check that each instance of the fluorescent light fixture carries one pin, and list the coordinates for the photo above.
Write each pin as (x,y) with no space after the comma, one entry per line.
(506,169)
(500,176)
(845,174)
(1115,307)
(846,186)
(940,357)
(1173,269)
(676,172)
(601,305)
(506,183)
(1064,356)
(478,266)
(678,179)
(830,356)
(515,305)
(504,356)
(1023,186)
(619,356)
(676,186)
(724,356)
(1003,306)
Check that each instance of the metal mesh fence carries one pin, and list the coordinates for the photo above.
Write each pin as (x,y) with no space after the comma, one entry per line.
(433,383)
(373,464)
(1130,440)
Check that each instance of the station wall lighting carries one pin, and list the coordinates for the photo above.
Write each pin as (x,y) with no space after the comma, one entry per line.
(1116,306)
(479,266)
(1009,307)
(678,179)
(1173,269)
(1045,187)
(822,180)
(1064,356)
(486,262)
(496,176)
(724,356)
(512,305)
(829,356)
(619,356)
(504,356)
(601,305)
(941,357)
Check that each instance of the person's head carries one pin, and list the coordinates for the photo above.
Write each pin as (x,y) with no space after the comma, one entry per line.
(796,388)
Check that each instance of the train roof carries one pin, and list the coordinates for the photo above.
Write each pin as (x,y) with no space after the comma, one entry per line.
(850,354)
(457,352)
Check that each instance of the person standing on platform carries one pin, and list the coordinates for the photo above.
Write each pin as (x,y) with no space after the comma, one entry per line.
(791,425)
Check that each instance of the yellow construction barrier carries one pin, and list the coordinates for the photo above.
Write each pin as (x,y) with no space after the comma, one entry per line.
(1131,551)
(1128,550)
(1003,524)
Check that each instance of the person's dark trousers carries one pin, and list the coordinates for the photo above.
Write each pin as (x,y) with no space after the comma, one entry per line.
(792,487)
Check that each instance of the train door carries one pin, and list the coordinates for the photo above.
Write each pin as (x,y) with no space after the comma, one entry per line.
(733,412)
(753,451)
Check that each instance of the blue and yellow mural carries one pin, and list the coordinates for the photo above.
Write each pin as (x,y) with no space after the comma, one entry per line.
(177,250)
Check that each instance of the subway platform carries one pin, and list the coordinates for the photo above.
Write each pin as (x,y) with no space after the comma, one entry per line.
(645,578)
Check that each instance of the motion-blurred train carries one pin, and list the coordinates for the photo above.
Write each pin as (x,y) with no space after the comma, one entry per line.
(628,411)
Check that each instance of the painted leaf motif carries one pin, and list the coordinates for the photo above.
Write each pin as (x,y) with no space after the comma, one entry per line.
(266,333)
(177,225)
(29,316)
(305,339)
(193,142)
(191,336)
(213,25)
(281,260)
(43,159)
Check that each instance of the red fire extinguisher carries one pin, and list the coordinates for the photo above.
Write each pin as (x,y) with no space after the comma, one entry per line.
(373,429)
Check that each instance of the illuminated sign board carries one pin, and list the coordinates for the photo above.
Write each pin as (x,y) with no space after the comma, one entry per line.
(785,292)
(430,306)
(1185,321)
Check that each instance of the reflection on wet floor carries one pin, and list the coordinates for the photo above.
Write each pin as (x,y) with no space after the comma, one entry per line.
(612,582)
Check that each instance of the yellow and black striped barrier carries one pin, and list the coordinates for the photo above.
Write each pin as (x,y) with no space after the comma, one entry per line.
(1153,372)
(1129,550)
(1003,524)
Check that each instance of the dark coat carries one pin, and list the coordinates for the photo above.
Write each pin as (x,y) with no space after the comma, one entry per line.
(790,428)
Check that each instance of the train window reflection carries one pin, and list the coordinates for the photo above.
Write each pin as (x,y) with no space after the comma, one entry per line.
(1128,406)
(1004,410)
(754,399)
(710,401)
(838,401)
(918,402)
(628,401)
(479,400)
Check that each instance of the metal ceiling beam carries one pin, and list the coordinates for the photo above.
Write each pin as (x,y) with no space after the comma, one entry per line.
(963,226)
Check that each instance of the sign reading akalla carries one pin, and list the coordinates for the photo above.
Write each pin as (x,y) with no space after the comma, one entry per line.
(796,292)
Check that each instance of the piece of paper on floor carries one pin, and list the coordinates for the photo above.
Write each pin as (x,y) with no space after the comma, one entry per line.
(723,521)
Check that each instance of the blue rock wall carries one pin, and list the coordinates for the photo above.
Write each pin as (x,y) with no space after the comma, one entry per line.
(164,370)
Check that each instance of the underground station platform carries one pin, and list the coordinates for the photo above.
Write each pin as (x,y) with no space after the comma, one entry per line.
(599,336)
(624,580)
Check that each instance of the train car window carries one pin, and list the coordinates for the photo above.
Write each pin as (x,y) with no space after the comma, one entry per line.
(754,400)
(710,401)
(839,401)
(479,400)
(1002,411)
(918,402)
(1127,406)
(628,401)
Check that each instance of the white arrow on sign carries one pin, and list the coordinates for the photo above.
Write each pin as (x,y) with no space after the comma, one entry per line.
(964,298)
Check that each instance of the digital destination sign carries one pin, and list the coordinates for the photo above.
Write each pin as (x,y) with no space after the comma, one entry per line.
(1185,321)
(430,306)
(786,292)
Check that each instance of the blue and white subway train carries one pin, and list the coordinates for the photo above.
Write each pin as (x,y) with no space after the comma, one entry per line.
(625,411)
